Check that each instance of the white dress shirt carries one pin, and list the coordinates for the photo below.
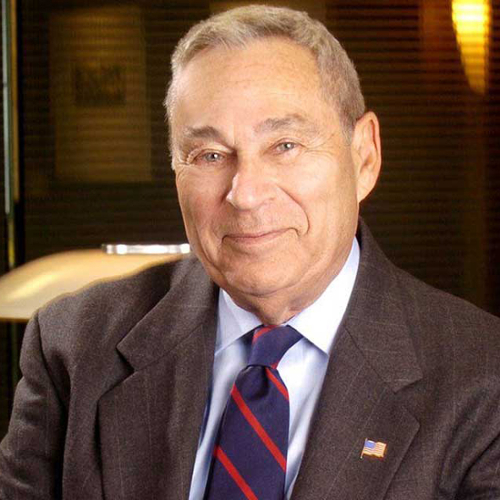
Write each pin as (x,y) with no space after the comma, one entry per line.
(302,368)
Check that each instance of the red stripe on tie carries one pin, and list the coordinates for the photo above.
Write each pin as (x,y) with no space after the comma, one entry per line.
(264,436)
(277,383)
(262,331)
(233,472)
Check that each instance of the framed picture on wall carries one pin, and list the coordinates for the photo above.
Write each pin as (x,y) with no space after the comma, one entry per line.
(99,102)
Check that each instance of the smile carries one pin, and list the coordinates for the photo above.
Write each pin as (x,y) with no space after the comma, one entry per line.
(251,239)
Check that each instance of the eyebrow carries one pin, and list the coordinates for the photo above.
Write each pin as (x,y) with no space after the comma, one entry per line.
(291,120)
(266,126)
(206,132)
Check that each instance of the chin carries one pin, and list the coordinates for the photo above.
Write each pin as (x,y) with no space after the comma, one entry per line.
(258,285)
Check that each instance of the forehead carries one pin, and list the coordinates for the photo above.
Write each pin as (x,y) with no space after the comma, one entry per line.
(278,52)
(268,73)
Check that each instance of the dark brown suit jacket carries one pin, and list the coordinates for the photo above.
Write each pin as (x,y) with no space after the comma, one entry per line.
(116,380)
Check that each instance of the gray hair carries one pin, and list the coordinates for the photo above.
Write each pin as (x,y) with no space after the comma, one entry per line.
(237,27)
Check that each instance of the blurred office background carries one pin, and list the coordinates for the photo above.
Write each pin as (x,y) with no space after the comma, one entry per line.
(84,139)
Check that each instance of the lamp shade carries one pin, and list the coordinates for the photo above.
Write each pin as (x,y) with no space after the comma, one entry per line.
(28,287)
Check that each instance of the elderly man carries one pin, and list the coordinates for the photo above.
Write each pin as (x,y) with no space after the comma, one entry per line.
(289,359)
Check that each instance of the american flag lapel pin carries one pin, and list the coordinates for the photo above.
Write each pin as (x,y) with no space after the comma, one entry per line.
(373,449)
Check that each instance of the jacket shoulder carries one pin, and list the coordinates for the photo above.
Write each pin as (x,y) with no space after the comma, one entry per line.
(100,315)
(129,296)
(457,343)
(441,311)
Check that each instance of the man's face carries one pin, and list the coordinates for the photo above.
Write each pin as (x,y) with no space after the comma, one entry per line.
(266,180)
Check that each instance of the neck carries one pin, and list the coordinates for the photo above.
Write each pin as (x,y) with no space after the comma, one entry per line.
(280,306)
(270,312)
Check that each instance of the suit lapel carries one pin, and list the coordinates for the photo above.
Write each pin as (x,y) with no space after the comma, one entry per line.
(150,422)
(372,361)
(355,404)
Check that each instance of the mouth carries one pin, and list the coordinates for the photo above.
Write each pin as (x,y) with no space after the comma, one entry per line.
(254,238)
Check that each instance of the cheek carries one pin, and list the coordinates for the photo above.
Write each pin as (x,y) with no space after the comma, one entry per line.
(328,195)
(188,201)
(195,211)
(199,205)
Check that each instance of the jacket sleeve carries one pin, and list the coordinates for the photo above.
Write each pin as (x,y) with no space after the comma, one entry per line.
(482,481)
(31,453)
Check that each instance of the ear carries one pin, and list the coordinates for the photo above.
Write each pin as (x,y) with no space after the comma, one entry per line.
(366,153)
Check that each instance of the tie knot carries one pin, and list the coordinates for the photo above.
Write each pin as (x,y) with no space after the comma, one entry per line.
(270,343)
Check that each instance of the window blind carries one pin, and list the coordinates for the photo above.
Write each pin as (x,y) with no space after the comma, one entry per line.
(94,147)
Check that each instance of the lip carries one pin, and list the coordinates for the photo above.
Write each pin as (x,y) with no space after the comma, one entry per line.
(249,239)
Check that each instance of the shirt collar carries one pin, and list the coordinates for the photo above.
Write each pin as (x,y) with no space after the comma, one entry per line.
(233,322)
(318,322)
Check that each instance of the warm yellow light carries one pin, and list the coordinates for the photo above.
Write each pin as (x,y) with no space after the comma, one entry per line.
(471,21)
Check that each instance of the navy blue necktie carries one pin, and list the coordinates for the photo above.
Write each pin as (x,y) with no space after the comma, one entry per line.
(250,453)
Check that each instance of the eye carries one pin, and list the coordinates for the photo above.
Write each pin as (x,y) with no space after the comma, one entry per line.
(283,147)
(210,157)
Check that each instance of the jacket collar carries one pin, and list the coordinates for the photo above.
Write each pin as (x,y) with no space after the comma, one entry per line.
(379,318)
(149,422)
(191,302)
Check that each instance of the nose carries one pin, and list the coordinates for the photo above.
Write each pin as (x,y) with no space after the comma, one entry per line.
(252,186)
